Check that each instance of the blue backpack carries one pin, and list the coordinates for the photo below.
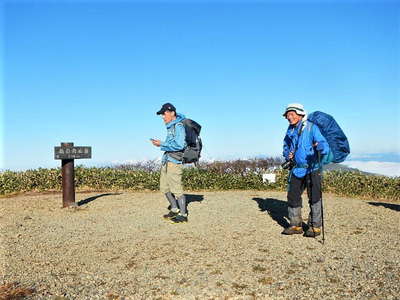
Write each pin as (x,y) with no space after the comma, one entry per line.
(336,138)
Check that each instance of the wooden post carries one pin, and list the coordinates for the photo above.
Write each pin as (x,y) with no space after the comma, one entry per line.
(67,153)
(68,179)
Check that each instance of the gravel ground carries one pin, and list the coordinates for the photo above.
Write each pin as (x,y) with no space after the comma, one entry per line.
(117,246)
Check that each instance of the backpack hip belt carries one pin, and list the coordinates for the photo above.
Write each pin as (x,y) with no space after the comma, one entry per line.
(178,155)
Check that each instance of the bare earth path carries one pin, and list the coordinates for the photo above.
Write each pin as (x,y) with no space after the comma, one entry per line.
(117,246)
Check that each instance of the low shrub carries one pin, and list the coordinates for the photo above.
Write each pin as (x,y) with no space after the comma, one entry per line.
(236,175)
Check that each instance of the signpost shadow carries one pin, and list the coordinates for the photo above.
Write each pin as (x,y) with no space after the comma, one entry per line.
(90,199)
(395,207)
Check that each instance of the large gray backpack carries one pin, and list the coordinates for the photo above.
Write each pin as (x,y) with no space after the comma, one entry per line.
(194,145)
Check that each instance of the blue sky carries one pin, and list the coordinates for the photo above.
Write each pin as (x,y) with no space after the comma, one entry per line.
(94,73)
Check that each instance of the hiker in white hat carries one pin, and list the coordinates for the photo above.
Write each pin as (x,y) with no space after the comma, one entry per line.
(301,145)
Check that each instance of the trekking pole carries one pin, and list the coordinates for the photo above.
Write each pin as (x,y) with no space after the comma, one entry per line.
(320,196)
(310,187)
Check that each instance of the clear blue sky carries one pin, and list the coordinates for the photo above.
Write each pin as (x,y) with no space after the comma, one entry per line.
(95,73)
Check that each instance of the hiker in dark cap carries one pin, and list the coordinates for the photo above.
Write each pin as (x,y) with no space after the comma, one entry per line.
(301,145)
(171,169)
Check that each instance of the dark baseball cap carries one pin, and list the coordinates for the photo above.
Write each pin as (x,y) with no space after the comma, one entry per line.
(165,107)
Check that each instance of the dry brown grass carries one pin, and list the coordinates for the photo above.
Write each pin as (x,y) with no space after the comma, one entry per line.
(12,291)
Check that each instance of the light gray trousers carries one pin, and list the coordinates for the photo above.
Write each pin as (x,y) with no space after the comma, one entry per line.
(175,203)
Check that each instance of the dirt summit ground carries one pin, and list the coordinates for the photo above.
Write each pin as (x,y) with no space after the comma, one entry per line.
(118,246)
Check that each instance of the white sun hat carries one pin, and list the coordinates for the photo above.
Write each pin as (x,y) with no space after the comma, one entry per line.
(297,107)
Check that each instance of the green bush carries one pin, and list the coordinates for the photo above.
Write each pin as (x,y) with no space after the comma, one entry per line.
(31,180)
(358,184)
(338,182)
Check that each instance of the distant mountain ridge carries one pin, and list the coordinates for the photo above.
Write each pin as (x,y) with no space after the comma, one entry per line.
(340,167)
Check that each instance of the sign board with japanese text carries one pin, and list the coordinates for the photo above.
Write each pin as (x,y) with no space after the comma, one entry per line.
(72,152)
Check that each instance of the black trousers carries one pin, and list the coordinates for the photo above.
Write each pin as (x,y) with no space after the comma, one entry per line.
(311,182)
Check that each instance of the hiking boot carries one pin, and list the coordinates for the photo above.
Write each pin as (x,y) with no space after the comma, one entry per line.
(312,232)
(170,215)
(179,219)
(293,230)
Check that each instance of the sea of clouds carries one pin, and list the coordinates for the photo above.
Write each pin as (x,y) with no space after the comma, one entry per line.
(378,163)
(376,167)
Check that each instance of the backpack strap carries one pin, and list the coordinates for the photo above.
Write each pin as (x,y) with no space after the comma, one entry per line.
(173,127)
(303,127)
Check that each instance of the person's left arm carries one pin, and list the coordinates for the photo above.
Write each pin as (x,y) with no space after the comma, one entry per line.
(319,141)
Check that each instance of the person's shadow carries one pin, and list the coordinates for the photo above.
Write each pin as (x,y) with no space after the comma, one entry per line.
(193,198)
(392,206)
(88,200)
(277,209)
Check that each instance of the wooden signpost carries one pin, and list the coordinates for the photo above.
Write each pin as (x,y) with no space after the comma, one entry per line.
(67,153)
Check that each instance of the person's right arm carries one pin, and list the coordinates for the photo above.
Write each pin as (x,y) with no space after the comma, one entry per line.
(286,148)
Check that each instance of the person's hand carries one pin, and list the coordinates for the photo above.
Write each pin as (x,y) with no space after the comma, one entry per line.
(291,156)
(156,143)
(318,147)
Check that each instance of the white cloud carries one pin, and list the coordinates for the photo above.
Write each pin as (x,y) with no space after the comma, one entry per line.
(377,167)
